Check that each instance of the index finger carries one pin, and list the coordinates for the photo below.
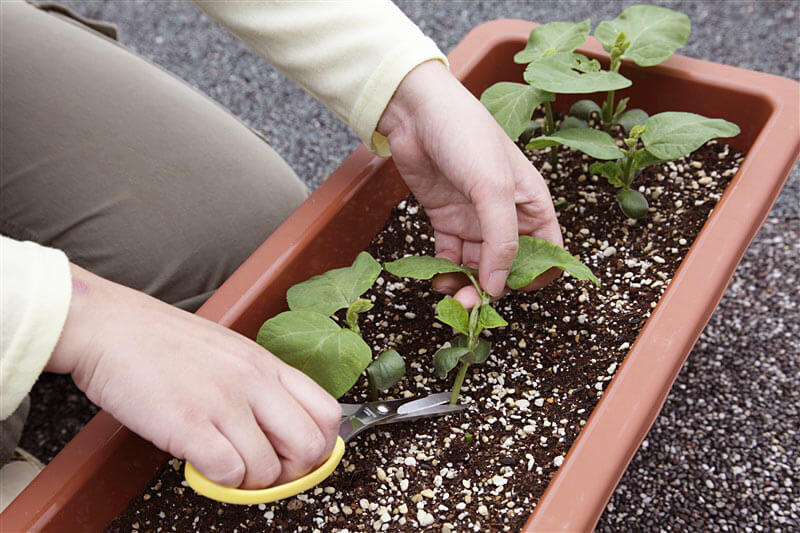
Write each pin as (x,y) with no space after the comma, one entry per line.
(497,216)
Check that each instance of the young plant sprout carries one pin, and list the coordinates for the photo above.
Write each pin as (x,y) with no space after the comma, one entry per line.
(647,35)
(308,339)
(661,138)
(553,67)
(535,256)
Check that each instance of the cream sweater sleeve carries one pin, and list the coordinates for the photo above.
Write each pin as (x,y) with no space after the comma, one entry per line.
(350,55)
(35,291)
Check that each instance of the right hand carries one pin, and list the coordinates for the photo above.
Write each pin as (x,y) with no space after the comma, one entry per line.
(477,188)
(197,390)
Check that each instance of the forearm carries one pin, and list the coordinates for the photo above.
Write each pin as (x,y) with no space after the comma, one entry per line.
(349,55)
(35,286)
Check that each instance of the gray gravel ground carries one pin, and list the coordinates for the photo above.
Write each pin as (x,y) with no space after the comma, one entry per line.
(725,452)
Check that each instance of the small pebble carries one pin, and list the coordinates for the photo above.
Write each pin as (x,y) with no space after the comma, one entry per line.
(424,519)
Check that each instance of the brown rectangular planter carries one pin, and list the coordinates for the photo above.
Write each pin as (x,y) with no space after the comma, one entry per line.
(106,465)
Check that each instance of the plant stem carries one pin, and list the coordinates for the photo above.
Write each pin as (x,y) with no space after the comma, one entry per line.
(608,111)
(550,128)
(373,390)
(550,125)
(476,285)
(462,371)
(473,326)
(627,167)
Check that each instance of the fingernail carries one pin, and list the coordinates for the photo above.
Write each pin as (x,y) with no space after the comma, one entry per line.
(497,282)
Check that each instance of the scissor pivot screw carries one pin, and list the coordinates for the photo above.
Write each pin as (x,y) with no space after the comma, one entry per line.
(382,409)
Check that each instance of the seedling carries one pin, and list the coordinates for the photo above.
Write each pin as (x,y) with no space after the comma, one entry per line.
(535,256)
(663,137)
(308,339)
(553,67)
(647,35)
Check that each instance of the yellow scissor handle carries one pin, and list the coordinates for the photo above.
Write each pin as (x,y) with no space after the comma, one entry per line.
(209,489)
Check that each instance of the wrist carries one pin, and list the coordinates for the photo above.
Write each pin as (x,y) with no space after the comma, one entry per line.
(417,88)
(73,350)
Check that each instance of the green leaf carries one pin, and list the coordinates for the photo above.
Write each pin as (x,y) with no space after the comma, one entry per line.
(632,202)
(572,122)
(446,359)
(569,73)
(674,134)
(621,105)
(631,118)
(490,318)
(316,345)
(581,63)
(583,109)
(644,159)
(609,170)
(480,354)
(637,131)
(386,370)
(536,256)
(335,289)
(451,312)
(460,341)
(359,306)
(553,37)
(595,143)
(512,105)
(422,267)
(654,33)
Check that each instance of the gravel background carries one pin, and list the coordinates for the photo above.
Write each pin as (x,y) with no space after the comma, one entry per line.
(725,452)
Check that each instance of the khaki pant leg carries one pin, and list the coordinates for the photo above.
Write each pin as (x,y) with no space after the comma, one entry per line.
(138,177)
(11,430)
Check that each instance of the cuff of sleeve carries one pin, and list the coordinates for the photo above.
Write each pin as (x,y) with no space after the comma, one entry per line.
(36,287)
(382,84)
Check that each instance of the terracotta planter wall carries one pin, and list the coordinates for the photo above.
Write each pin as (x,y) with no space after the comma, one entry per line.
(105,466)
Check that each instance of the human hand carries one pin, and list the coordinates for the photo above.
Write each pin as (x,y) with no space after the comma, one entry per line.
(477,188)
(195,389)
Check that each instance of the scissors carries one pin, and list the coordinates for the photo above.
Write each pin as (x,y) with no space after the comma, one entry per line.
(355,419)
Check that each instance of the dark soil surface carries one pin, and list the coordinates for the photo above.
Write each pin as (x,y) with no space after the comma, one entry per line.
(58,412)
(486,468)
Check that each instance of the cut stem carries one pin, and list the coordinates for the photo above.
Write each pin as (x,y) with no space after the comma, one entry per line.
(462,371)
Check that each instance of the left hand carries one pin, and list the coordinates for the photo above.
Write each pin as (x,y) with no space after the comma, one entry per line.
(478,189)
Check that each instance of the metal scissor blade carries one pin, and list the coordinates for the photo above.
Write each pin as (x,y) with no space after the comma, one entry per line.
(419,404)
(428,412)
(404,405)
(349,409)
